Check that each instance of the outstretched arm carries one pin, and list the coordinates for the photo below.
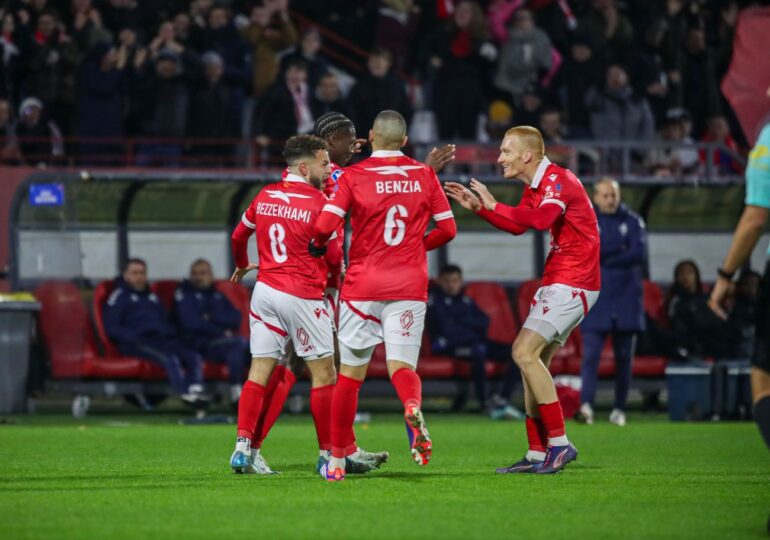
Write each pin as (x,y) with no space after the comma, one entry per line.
(541,218)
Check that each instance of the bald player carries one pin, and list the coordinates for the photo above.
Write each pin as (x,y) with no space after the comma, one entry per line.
(554,200)
(391,199)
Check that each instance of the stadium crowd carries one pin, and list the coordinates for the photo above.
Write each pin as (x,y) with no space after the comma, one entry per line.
(79,76)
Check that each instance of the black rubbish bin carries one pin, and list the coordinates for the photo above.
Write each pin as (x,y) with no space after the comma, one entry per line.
(17,320)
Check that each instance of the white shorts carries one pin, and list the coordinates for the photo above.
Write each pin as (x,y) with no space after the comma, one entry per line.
(332,299)
(364,324)
(275,317)
(557,309)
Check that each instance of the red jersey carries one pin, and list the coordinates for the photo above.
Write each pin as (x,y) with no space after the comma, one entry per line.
(574,256)
(391,198)
(282,216)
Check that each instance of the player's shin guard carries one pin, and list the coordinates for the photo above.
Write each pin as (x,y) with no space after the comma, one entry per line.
(408,387)
(553,420)
(320,408)
(279,387)
(343,413)
(762,417)
(249,407)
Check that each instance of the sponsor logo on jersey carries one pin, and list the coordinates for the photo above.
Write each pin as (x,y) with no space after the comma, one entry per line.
(389,170)
(285,197)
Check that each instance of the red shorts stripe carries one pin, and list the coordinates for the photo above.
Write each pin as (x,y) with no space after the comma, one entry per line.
(362,315)
(583,298)
(269,326)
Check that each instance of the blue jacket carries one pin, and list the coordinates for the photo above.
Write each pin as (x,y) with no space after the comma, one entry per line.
(455,321)
(132,316)
(203,314)
(623,254)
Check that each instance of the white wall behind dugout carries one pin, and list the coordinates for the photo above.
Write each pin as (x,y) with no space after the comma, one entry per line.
(483,256)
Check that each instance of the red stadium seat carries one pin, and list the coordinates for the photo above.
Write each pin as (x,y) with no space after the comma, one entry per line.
(493,300)
(524,298)
(240,297)
(70,340)
(164,289)
(654,303)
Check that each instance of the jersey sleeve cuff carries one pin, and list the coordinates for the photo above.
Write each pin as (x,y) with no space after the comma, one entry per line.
(334,210)
(246,222)
(443,215)
(555,201)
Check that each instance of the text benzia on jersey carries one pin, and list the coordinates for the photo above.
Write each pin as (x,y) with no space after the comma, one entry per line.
(398,186)
(286,212)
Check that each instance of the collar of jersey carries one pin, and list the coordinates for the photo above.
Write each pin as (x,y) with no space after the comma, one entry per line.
(540,172)
(387,153)
(294,178)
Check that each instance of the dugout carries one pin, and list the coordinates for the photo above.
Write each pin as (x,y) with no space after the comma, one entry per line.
(70,231)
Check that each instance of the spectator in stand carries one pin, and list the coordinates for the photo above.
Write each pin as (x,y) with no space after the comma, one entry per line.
(284,110)
(395,30)
(619,312)
(214,115)
(648,67)
(694,67)
(581,72)
(137,323)
(725,161)
(209,323)
(40,140)
(458,328)
(457,58)
(165,101)
(85,25)
(50,58)
(553,131)
(523,57)
(377,90)
(270,31)
(617,112)
(186,32)
(697,330)
(531,106)
(328,97)
(221,37)
(610,30)
(120,14)
(101,103)
(10,68)
(308,50)
(9,149)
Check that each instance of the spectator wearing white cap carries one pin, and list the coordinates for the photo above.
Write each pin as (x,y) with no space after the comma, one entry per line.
(40,140)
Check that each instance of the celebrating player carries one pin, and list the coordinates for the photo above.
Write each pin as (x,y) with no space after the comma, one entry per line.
(287,303)
(340,135)
(554,199)
(391,199)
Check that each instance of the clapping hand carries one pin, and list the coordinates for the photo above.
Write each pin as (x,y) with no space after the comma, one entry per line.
(463,195)
(438,158)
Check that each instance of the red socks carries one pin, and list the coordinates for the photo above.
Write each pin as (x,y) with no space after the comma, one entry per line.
(408,387)
(249,408)
(320,408)
(536,435)
(553,419)
(279,386)
(343,413)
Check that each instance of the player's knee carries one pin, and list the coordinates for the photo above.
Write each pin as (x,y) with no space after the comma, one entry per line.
(523,355)
(323,373)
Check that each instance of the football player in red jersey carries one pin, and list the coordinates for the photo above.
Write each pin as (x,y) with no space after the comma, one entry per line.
(390,198)
(554,200)
(340,134)
(288,299)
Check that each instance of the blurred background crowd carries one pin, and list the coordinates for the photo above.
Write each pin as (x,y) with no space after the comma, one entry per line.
(77,77)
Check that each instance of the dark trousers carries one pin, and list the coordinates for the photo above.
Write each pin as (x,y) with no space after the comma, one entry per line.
(183,366)
(624,344)
(477,354)
(232,351)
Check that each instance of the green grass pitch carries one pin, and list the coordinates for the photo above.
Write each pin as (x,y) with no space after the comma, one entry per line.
(109,477)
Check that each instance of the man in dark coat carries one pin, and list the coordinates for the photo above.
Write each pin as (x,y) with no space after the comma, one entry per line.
(209,323)
(136,321)
(619,312)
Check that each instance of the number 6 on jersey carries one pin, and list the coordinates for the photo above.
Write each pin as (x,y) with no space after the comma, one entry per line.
(395,228)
